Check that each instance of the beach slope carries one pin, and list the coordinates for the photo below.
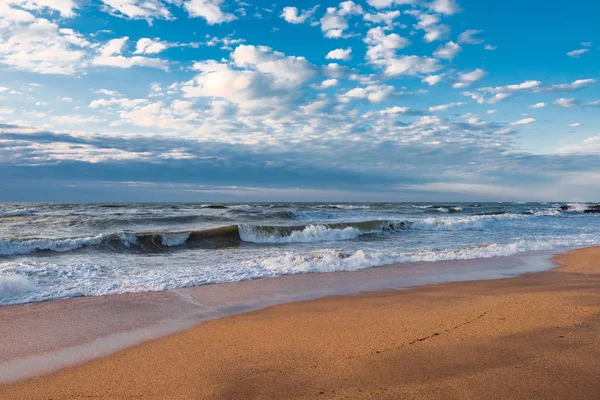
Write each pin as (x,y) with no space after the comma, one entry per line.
(533,336)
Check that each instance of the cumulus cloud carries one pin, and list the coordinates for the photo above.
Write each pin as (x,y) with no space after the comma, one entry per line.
(293,16)
(38,45)
(373,93)
(64,7)
(327,83)
(447,51)
(150,46)
(339,54)
(335,21)
(110,55)
(432,80)
(564,102)
(429,23)
(382,46)
(379,4)
(210,10)
(538,105)
(255,76)
(386,18)
(468,78)
(446,7)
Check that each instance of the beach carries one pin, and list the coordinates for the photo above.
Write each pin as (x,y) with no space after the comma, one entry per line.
(531,336)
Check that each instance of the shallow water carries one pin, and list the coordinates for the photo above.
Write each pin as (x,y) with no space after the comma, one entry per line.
(56,251)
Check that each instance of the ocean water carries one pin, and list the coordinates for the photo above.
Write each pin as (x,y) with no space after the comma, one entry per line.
(56,251)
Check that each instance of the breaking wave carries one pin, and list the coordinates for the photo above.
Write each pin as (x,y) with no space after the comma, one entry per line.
(236,235)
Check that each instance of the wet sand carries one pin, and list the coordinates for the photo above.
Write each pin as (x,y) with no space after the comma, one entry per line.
(533,336)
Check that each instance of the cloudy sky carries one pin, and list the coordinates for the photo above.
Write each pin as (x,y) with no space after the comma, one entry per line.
(364,100)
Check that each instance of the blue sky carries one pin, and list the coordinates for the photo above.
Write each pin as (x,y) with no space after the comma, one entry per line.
(366,100)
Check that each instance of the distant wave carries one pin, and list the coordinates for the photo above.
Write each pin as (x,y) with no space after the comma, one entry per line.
(9,213)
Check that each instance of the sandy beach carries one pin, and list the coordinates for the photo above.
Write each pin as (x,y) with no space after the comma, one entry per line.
(533,336)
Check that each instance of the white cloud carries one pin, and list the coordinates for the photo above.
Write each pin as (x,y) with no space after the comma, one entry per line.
(138,9)
(431,25)
(327,83)
(503,92)
(334,23)
(468,37)
(43,47)
(107,92)
(489,47)
(339,54)
(291,14)
(525,121)
(75,120)
(432,80)
(394,110)
(120,103)
(468,78)
(114,46)
(564,102)
(110,55)
(446,7)
(64,7)
(447,51)
(538,105)
(386,18)
(381,46)
(411,65)
(372,93)
(498,97)
(210,10)
(6,110)
(577,53)
(575,125)
(255,77)
(379,4)
(444,107)
(350,8)
(150,46)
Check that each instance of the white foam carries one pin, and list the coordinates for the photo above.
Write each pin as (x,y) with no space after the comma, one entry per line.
(472,222)
(174,239)
(22,211)
(312,233)
(14,288)
(11,247)
(578,207)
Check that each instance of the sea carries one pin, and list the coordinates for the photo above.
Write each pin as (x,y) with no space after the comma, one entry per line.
(51,251)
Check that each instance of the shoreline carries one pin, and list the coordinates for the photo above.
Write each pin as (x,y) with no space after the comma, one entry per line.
(48,336)
(295,320)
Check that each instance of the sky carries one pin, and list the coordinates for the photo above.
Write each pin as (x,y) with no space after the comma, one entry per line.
(246,100)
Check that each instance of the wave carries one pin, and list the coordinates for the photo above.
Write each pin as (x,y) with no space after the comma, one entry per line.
(9,213)
(346,206)
(235,235)
(581,208)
